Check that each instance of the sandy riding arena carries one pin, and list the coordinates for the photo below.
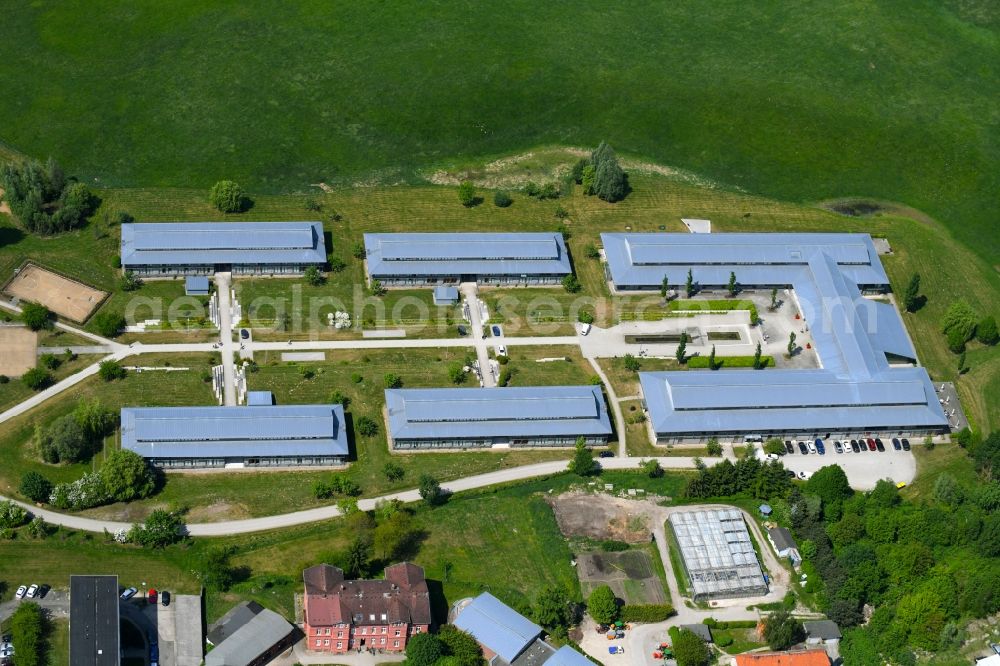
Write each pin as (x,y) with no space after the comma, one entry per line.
(17,350)
(67,298)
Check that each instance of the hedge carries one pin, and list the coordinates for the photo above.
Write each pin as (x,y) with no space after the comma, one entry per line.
(646,613)
(733,624)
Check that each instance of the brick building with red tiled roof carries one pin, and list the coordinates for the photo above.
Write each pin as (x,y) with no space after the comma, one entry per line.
(342,615)
(800,658)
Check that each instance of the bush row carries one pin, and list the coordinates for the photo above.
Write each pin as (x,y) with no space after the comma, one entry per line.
(646,613)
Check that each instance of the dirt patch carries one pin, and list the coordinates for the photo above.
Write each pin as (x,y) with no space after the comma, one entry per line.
(18,350)
(582,515)
(67,298)
(629,574)
(216,513)
(4,206)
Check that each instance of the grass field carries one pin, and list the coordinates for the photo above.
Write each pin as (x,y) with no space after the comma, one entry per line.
(804,101)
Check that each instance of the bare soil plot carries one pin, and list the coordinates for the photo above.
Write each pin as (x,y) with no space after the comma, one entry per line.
(17,350)
(629,574)
(67,298)
(599,517)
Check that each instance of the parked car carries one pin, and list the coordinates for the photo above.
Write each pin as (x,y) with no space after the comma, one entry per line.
(606,454)
(128,593)
(502,350)
(151,596)
(789,447)
(803,475)
(820,448)
(838,447)
(585,329)
(496,330)
(871,444)
(461,331)
(906,444)
(32,591)
(165,598)
(20,592)
(790,473)
(812,446)
(854,446)
(879,445)
(244,334)
(802,448)
(896,445)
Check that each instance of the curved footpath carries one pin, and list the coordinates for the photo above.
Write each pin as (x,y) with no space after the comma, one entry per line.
(248,525)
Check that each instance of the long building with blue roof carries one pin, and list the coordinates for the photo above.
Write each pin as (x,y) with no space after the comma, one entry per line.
(204,248)
(415,259)
(461,418)
(252,436)
(859,388)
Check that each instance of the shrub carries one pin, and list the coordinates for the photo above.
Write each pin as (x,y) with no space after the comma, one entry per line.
(27,627)
(583,463)
(36,379)
(586,317)
(961,317)
(338,398)
(393,471)
(12,515)
(613,546)
(109,324)
(467,193)
(160,529)
(646,612)
(111,370)
(86,492)
(36,317)
(127,476)
(571,284)
(956,340)
(4,379)
(501,199)
(503,359)
(356,378)
(504,378)
(630,363)
(652,469)
(35,487)
(314,277)
(227,196)
(358,250)
(366,426)
(430,490)
(130,281)
(602,605)
(50,361)
(337,264)
(392,380)
(986,331)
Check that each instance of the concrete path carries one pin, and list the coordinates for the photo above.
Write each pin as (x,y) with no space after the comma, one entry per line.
(76,349)
(54,390)
(616,407)
(478,333)
(222,286)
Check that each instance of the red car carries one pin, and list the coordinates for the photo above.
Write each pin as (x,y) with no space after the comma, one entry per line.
(871,444)
(151,597)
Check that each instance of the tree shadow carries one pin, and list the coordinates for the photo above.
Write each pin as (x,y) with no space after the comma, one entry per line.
(918,303)
(10,236)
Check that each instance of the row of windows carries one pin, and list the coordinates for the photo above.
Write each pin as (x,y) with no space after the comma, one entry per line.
(483,443)
(326,631)
(325,642)
(198,463)
(420,280)
(701,437)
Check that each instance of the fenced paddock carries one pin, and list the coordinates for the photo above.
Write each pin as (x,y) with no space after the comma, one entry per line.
(67,298)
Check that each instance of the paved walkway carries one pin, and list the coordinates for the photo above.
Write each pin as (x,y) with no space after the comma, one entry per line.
(477,332)
(616,407)
(76,349)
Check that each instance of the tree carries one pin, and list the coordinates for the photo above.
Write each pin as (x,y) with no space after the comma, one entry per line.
(36,379)
(681,353)
(27,625)
(109,324)
(35,487)
(160,529)
(366,426)
(467,193)
(774,299)
(756,358)
(947,490)
(602,605)
(392,380)
(781,630)
(583,463)
(774,446)
(313,276)
(63,440)
(423,650)
(214,569)
(711,360)
(338,397)
(732,287)
(552,611)
(393,534)
(378,289)
(456,373)
(592,252)
(358,556)
(571,284)
(43,199)
(713,447)
(130,281)
(461,645)
(791,343)
(664,287)
(336,264)
(12,515)
(36,317)
(576,173)
(830,485)
(501,199)
(911,297)
(986,331)
(227,196)
(393,471)
(630,363)
(609,180)
(127,476)
(587,178)
(585,317)
(690,650)
(960,317)
(358,250)
(111,370)
(430,490)
(689,284)
(956,340)
(652,468)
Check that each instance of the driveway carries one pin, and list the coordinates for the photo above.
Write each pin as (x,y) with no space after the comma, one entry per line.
(55,601)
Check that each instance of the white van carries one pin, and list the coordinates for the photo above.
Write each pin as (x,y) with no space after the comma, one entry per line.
(584,329)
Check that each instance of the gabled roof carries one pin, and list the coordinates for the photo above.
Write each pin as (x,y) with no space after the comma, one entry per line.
(497,626)
(205,432)
(403,597)
(447,254)
(179,243)
(497,412)
(824,629)
(781,538)
(231,622)
(803,658)
(702,631)
(250,641)
(567,656)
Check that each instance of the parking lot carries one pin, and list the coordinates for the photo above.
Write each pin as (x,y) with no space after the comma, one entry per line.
(863,469)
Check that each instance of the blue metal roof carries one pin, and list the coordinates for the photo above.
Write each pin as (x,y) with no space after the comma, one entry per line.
(445,295)
(446,413)
(218,432)
(260,398)
(567,656)
(176,243)
(449,254)
(196,285)
(498,626)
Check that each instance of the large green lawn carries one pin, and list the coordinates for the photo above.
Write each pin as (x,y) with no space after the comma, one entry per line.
(802,101)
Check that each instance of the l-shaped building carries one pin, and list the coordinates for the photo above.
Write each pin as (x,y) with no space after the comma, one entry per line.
(860,387)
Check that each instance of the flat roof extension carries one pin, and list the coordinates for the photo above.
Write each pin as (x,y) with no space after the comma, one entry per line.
(93,621)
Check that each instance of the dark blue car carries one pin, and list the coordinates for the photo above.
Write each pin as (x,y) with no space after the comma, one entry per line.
(820,448)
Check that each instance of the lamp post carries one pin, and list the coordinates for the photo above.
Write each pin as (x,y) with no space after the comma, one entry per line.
(144,591)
